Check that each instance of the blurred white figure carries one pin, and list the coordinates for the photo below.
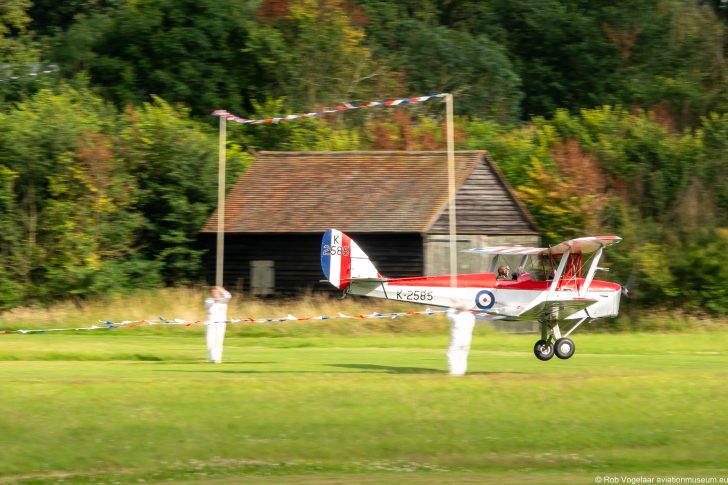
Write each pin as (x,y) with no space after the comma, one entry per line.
(216,306)
(461,333)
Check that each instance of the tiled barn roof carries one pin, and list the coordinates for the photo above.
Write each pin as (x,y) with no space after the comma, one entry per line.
(404,192)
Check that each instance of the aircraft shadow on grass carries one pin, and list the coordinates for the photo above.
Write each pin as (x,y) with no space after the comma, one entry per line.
(355,369)
(390,369)
(207,364)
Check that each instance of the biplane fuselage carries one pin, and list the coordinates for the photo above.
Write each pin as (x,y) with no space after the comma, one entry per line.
(516,299)
(551,285)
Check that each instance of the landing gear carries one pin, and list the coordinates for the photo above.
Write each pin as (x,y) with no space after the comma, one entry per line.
(564,348)
(553,342)
(543,350)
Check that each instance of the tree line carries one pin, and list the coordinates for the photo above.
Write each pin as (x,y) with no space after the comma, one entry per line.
(604,116)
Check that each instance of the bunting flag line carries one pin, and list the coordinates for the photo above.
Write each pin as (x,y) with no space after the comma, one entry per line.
(35,71)
(337,109)
(108,325)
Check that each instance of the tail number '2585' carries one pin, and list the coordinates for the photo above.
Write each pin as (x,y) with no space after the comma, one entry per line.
(413,295)
(336,250)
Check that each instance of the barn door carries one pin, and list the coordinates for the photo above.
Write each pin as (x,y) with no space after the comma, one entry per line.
(262,277)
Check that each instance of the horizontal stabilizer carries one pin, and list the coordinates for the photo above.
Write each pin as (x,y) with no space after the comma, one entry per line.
(369,280)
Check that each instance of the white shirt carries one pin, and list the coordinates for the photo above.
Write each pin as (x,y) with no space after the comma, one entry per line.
(217,310)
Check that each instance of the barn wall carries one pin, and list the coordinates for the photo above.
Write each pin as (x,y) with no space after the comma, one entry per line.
(484,205)
(297,258)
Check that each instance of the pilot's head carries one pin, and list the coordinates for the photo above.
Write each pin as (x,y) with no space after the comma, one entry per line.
(504,271)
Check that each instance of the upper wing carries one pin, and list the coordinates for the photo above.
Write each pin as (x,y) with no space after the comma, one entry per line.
(520,250)
(583,245)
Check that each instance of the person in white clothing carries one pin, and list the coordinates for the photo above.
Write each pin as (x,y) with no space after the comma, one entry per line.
(462,322)
(216,306)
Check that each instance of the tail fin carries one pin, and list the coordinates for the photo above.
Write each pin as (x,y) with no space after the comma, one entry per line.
(342,260)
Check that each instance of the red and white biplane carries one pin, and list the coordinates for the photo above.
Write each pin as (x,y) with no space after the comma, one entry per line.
(554,286)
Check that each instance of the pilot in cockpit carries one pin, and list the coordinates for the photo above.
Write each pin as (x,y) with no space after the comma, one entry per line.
(504,272)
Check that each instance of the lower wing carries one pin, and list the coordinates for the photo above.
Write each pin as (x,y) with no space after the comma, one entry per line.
(556,309)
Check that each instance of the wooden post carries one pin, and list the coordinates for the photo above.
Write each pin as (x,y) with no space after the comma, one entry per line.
(451,191)
(221,204)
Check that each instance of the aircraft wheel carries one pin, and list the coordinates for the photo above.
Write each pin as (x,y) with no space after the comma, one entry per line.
(543,350)
(564,348)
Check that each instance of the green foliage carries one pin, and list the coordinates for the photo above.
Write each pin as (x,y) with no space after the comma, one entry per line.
(474,68)
(174,164)
(711,139)
(21,69)
(35,138)
(436,58)
(88,223)
(559,209)
(92,202)
(189,51)
(667,54)
(560,52)
(657,281)
(50,16)
(702,273)
(503,59)
(11,290)
(637,151)
(514,149)
(676,59)
(13,17)
(71,199)
(313,54)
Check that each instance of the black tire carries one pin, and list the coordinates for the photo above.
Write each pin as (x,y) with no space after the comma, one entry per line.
(543,350)
(564,348)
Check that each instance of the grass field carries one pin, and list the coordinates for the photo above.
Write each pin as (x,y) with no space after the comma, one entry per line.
(143,406)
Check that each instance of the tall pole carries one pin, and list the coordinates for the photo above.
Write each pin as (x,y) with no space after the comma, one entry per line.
(451,191)
(221,203)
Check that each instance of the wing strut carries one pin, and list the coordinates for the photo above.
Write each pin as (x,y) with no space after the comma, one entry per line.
(557,275)
(590,274)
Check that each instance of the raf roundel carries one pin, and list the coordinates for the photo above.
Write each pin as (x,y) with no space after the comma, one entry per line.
(484,300)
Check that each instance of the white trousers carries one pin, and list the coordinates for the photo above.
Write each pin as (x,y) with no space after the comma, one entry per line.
(215,336)
(461,334)
(457,359)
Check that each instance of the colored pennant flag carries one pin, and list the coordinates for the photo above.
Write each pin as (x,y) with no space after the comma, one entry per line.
(108,324)
(343,107)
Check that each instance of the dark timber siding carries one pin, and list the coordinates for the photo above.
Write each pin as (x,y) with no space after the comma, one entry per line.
(485,206)
(298,262)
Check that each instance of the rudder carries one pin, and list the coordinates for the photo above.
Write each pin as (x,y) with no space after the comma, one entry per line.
(342,260)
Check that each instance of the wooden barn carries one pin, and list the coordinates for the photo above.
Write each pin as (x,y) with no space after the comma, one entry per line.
(394,204)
